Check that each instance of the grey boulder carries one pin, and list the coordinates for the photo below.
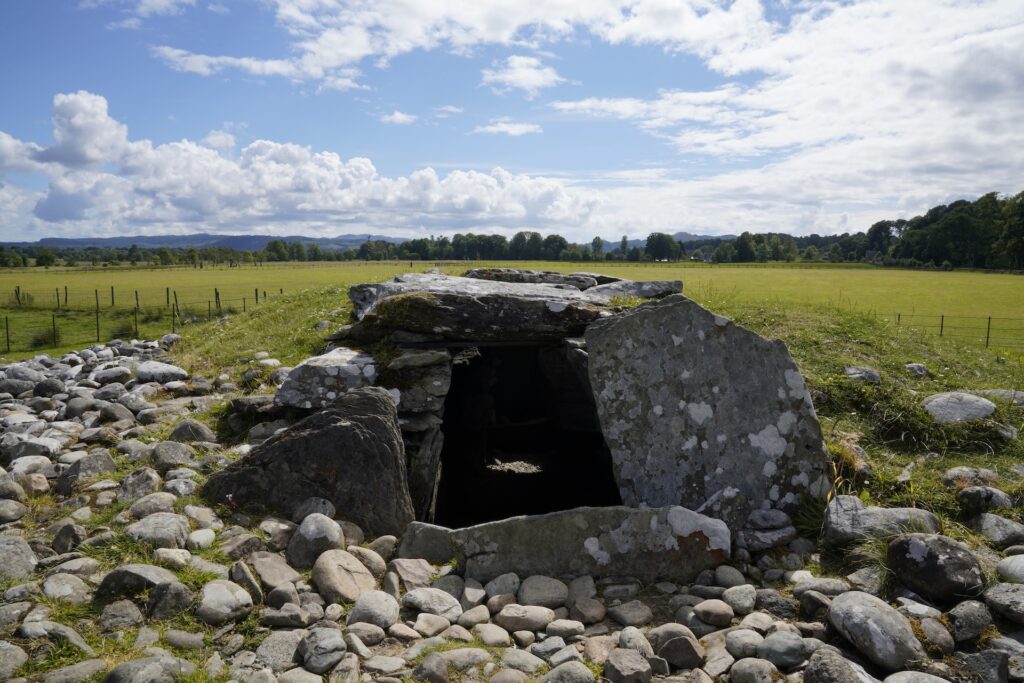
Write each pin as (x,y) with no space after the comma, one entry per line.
(847,520)
(936,567)
(162,373)
(956,406)
(879,632)
(351,454)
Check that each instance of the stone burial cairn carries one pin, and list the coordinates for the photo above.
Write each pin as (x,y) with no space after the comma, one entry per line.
(131,538)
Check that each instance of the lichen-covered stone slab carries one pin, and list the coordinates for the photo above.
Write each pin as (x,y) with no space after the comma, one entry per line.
(465,308)
(670,543)
(319,381)
(693,405)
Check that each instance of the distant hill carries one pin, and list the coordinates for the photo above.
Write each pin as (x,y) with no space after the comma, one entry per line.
(239,242)
(257,242)
(684,237)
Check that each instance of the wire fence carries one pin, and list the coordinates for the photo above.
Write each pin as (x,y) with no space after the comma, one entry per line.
(66,299)
(30,328)
(991,331)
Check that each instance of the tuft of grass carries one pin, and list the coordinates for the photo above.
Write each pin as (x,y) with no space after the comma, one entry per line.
(626,302)
(121,549)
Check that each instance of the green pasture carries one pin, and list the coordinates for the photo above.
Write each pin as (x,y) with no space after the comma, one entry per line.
(958,303)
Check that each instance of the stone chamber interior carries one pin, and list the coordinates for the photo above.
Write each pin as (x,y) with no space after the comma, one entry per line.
(521,437)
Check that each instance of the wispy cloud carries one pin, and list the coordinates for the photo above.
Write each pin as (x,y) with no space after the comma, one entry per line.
(447,110)
(505,126)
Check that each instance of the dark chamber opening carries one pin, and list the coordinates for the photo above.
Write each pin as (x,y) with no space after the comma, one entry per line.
(521,437)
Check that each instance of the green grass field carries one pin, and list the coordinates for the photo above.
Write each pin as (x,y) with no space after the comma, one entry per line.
(966,299)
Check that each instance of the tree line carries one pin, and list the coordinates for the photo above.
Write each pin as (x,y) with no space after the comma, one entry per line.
(985,233)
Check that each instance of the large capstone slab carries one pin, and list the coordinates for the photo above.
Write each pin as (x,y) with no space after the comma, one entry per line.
(466,308)
(693,405)
(670,543)
(351,454)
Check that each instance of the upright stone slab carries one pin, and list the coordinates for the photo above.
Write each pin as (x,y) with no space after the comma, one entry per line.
(351,454)
(670,543)
(692,404)
(319,381)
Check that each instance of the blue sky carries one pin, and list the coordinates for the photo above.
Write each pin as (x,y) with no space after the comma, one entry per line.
(414,117)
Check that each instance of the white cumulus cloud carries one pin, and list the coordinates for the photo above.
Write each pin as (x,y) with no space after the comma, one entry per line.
(100,181)
(521,72)
(398,118)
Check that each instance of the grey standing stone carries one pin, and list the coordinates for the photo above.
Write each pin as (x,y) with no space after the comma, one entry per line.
(319,381)
(649,544)
(682,431)
(351,454)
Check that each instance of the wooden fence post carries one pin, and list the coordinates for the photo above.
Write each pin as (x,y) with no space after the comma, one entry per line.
(168,293)
(65,296)
(53,323)
(942,324)
(56,292)
(988,331)
(111,296)
(7,332)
